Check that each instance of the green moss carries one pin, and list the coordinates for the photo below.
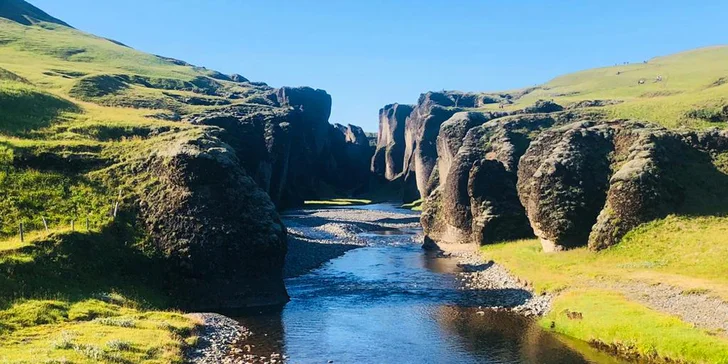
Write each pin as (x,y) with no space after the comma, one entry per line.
(414,205)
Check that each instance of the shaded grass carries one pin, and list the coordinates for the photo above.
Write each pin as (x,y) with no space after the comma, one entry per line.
(686,252)
(68,295)
(25,108)
(31,195)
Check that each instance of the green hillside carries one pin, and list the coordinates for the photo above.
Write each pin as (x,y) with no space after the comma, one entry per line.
(77,110)
(693,91)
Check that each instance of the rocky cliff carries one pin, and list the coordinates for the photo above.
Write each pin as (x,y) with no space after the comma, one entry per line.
(291,149)
(218,232)
(388,158)
(567,175)
(195,161)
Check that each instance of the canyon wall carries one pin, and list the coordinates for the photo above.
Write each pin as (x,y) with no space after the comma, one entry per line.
(569,176)
(290,148)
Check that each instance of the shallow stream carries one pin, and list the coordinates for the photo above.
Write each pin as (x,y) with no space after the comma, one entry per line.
(393,303)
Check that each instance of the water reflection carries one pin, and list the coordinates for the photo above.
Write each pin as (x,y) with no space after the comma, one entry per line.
(395,304)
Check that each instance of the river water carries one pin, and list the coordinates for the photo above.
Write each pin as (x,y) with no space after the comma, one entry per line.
(393,303)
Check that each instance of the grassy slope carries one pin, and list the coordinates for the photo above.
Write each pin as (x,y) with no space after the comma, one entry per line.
(691,81)
(57,301)
(686,252)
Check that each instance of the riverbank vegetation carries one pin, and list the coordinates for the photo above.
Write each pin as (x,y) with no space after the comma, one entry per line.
(688,253)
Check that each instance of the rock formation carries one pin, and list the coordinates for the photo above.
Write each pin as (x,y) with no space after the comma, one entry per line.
(594,182)
(217,230)
(421,130)
(388,159)
(289,147)
(567,176)
(477,200)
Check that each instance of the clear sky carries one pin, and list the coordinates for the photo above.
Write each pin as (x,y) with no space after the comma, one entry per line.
(369,53)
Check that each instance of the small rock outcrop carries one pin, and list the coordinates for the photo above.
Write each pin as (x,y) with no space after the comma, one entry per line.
(219,233)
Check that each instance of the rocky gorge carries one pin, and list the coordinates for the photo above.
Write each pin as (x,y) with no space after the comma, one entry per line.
(569,176)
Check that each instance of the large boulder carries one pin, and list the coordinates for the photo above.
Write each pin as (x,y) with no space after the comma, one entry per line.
(496,213)
(388,158)
(218,232)
(563,180)
(591,183)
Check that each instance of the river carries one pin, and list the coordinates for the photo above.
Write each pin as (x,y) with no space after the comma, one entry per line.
(391,302)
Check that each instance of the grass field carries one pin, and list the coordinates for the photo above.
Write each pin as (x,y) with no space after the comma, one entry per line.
(685,252)
(67,296)
(693,88)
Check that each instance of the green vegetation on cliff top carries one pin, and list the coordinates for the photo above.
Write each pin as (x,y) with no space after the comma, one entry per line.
(692,91)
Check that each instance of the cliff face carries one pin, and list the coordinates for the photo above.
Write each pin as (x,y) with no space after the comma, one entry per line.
(567,176)
(388,158)
(219,233)
(421,130)
(290,148)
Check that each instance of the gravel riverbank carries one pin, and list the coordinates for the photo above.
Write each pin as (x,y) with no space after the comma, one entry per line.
(319,235)
(499,289)
(315,237)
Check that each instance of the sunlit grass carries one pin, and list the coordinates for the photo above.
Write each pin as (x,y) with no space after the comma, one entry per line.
(629,329)
(338,202)
(92,331)
(685,252)
(414,205)
(690,80)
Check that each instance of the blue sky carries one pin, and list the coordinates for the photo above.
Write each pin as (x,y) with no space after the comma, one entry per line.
(370,53)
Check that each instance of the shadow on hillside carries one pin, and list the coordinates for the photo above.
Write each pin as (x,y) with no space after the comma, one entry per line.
(77,266)
(25,109)
(705,186)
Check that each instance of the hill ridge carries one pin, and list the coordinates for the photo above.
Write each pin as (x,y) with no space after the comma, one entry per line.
(21,11)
